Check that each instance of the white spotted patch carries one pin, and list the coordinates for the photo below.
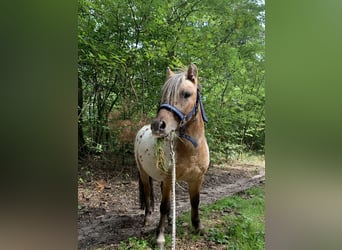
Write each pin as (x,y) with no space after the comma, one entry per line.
(144,152)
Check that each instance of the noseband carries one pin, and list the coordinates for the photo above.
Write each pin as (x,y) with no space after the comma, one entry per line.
(185,118)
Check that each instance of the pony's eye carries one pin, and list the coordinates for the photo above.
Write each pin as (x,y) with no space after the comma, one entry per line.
(186,94)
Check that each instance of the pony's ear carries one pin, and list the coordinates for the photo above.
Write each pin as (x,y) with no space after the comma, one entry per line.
(169,72)
(192,73)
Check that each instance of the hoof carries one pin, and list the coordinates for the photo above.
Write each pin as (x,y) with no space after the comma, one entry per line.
(147,220)
(200,230)
(161,241)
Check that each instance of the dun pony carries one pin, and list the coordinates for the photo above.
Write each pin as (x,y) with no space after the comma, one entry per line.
(182,111)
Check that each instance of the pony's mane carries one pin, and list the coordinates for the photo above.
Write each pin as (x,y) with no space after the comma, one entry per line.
(170,90)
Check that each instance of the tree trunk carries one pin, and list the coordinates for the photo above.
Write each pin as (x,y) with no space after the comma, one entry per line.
(81,142)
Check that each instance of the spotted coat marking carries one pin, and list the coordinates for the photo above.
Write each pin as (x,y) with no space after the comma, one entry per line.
(144,144)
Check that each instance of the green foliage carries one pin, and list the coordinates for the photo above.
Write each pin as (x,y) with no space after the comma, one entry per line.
(125,46)
(243,227)
(240,234)
(133,244)
(237,222)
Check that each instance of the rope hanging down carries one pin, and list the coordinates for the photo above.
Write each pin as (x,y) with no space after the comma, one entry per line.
(172,154)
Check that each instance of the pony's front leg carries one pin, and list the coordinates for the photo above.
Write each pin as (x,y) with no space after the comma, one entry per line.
(164,212)
(194,191)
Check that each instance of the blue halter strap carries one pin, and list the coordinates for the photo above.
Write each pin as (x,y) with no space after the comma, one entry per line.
(185,118)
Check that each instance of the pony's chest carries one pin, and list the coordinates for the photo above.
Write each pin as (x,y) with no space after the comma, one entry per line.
(153,154)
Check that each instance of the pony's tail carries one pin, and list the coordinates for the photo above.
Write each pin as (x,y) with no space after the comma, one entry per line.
(142,195)
(151,192)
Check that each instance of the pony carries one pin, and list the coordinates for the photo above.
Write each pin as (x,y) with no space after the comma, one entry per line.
(181,112)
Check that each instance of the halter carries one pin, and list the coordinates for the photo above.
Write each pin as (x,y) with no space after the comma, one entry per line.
(185,118)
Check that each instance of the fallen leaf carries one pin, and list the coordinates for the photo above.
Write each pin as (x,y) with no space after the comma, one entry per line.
(100,185)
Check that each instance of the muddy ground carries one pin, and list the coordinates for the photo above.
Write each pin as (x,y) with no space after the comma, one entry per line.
(108,205)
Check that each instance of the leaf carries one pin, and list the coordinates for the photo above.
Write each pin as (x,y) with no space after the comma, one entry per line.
(102,57)
(100,185)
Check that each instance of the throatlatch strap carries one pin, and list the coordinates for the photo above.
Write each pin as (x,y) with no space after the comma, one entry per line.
(204,116)
(189,138)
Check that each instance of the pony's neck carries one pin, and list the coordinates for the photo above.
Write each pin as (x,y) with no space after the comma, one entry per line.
(195,127)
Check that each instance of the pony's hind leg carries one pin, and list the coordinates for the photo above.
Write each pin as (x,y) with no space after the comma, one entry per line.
(146,196)
(164,212)
(194,191)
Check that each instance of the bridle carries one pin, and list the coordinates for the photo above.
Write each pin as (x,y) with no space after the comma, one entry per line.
(185,118)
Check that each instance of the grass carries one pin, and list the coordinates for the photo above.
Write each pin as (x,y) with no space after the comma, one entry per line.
(235,222)
(134,244)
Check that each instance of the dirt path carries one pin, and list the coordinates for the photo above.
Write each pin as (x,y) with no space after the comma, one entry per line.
(109,207)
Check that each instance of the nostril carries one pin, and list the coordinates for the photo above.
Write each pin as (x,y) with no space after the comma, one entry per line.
(162,125)
(158,126)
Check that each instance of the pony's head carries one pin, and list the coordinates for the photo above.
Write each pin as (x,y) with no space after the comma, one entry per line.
(178,103)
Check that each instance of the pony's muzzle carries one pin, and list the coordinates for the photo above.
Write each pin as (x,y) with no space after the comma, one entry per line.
(158,127)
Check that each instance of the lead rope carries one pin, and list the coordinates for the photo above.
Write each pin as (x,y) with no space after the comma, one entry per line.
(172,153)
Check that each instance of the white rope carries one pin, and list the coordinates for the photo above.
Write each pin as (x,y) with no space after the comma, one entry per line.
(172,153)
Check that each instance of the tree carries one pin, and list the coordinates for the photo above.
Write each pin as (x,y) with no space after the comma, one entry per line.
(125,46)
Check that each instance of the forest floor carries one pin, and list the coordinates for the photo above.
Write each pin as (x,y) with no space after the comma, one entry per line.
(108,204)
